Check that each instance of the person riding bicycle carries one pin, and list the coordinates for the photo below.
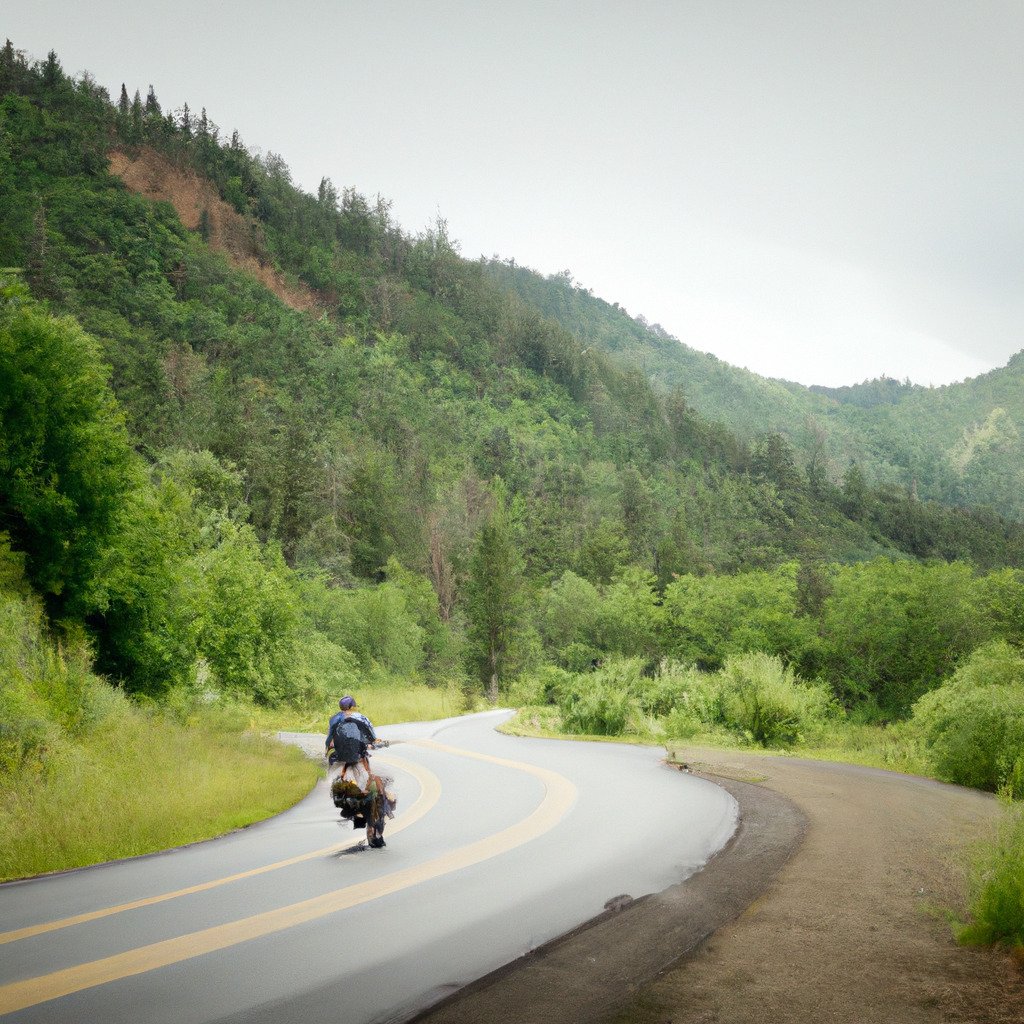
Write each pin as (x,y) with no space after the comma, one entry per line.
(349,735)
(366,800)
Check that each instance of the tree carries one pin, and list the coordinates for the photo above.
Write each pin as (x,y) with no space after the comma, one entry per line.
(494,599)
(327,195)
(65,460)
(135,119)
(855,492)
(893,630)
(604,551)
(772,460)
(637,503)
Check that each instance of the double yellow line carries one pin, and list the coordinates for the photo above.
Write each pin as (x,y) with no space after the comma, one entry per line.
(558,797)
(430,792)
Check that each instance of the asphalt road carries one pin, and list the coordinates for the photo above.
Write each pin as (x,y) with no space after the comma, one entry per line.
(499,845)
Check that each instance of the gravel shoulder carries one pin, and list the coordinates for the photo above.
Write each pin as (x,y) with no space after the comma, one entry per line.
(853,928)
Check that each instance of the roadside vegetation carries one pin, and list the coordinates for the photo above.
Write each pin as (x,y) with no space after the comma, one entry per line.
(90,775)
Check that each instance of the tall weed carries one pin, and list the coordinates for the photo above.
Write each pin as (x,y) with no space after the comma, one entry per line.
(997,889)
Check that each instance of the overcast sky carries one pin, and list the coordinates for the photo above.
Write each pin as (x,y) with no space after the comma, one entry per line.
(821,191)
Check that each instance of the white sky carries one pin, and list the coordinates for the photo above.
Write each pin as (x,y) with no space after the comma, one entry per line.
(819,190)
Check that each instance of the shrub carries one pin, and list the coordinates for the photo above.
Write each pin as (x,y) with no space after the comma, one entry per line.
(696,699)
(596,710)
(707,618)
(766,701)
(545,686)
(600,703)
(973,725)
(891,631)
(577,657)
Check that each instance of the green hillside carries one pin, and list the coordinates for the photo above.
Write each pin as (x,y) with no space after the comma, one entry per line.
(958,444)
(315,445)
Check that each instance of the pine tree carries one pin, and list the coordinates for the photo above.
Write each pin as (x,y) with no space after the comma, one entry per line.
(123,104)
(494,600)
(135,125)
(152,105)
(327,194)
(53,73)
(13,68)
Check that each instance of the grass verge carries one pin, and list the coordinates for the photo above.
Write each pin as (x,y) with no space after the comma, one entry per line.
(869,745)
(384,703)
(141,781)
(996,899)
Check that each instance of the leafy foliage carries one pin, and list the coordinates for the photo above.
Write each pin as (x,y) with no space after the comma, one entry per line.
(974,723)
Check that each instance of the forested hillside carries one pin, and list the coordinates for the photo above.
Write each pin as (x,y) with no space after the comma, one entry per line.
(959,444)
(287,442)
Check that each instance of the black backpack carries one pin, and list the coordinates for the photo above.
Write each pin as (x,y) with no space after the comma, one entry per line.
(349,744)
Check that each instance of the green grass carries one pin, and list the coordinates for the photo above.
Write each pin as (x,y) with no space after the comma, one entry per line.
(875,746)
(384,703)
(996,900)
(141,781)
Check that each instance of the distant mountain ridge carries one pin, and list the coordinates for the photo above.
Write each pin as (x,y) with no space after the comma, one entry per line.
(958,443)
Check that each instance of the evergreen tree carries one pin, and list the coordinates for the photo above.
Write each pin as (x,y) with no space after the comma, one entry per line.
(327,194)
(152,105)
(855,492)
(53,73)
(36,264)
(494,600)
(14,69)
(135,126)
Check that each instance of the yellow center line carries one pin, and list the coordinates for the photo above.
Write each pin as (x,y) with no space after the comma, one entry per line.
(430,792)
(559,797)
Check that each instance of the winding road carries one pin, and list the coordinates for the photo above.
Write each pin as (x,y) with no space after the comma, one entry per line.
(499,845)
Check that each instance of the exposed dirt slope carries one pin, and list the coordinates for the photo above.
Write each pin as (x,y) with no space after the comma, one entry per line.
(851,932)
(154,176)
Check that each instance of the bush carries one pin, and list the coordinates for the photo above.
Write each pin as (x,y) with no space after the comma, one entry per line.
(374,623)
(545,686)
(598,710)
(768,703)
(973,725)
(696,700)
(891,631)
(707,618)
(600,703)
(47,691)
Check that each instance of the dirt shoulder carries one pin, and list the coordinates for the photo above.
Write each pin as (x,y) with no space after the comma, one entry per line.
(852,929)
(826,907)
